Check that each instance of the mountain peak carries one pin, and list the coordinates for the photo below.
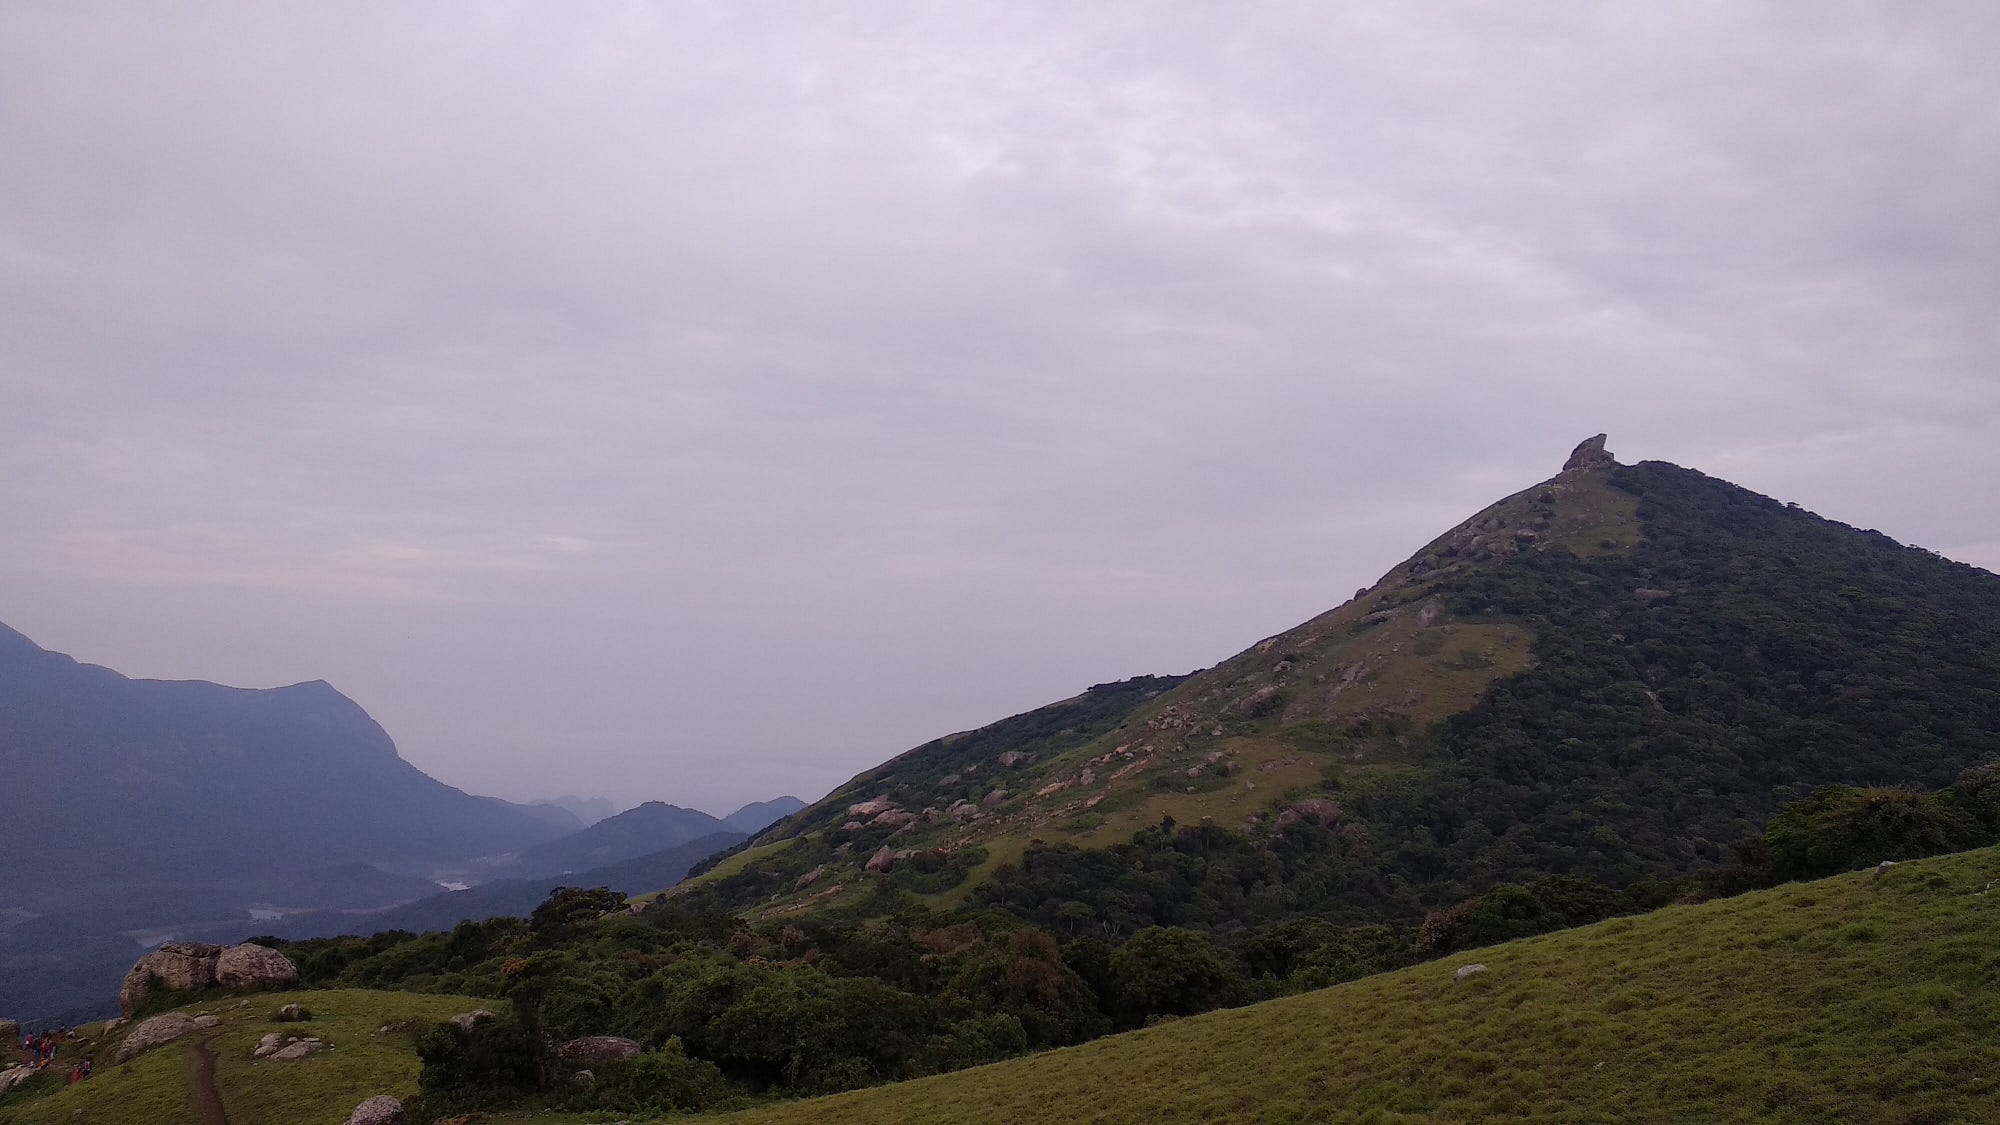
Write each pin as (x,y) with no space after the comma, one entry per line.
(1589,454)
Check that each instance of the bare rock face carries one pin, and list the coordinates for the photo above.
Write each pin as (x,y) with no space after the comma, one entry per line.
(1589,454)
(598,1049)
(153,1032)
(249,968)
(178,966)
(378,1110)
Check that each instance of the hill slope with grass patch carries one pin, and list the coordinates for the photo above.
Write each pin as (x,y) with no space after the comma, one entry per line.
(1854,998)
(1615,674)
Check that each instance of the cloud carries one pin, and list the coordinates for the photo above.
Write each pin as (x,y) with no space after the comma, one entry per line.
(655,388)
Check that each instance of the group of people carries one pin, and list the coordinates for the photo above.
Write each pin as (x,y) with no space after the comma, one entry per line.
(41,1048)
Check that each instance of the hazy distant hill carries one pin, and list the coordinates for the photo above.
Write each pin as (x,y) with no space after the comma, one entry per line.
(164,779)
(134,809)
(510,897)
(759,815)
(635,832)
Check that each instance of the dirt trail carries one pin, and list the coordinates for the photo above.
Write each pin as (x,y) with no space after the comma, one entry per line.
(207,1098)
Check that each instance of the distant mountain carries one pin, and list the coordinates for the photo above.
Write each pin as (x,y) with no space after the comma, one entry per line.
(759,815)
(639,831)
(508,897)
(170,779)
(548,812)
(136,808)
(587,810)
(1614,674)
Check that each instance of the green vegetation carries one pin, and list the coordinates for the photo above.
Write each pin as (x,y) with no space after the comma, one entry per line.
(1854,999)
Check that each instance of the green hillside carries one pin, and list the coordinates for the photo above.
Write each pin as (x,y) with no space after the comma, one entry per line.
(1615,674)
(1855,998)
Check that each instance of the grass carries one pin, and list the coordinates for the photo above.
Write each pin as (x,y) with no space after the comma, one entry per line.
(1852,999)
(361,1060)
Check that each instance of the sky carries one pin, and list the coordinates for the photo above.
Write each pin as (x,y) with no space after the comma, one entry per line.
(703,402)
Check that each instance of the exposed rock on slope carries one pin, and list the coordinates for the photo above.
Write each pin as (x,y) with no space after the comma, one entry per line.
(190,966)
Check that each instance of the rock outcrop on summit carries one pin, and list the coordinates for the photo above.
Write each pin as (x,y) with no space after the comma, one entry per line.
(1589,454)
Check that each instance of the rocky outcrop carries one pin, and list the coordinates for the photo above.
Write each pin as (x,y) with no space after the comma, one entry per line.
(1015,759)
(251,968)
(1589,454)
(13,1076)
(187,966)
(881,861)
(178,966)
(598,1050)
(466,1021)
(378,1110)
(152,1033)
(10,1033)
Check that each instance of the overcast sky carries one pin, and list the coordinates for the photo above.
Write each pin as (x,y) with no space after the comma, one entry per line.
(707,402)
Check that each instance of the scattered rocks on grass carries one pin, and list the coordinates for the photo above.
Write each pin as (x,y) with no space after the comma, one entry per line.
(296,1049)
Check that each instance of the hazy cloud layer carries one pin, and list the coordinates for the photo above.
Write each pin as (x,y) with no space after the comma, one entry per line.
(708,401)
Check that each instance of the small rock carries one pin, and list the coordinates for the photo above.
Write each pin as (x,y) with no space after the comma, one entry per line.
(271,1041)
(1883,867)
(292,1013)
(293,1052)
(583,1078)
(465,1021)
(1466,972)
(207,1021)
(378,1110)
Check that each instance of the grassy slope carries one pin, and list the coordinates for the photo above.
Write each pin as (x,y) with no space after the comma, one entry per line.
(362,1061)
(1391,660)
(1853,998)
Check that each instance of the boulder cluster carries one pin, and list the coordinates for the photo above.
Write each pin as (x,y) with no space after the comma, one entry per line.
(185,966)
